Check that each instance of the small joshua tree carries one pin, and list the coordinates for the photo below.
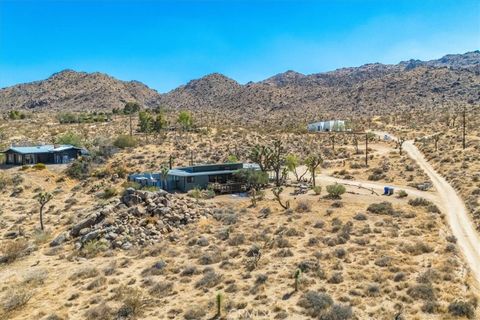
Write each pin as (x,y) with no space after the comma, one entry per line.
(297,275)
(276,192)
(219,304)
(400,143)
(312,163)
(43,198)
(164,174)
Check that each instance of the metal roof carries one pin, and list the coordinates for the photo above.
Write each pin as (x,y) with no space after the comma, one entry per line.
(181,172)
(47,148)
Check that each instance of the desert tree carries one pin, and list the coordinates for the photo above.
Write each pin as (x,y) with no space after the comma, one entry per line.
(297,276)
(130,109)
(159,124)
(292,163)
(219,304)
(400,141)
(164,174)
(145,123)
(261,155)
(43,198)
(277,160)
(436,137)
(277,191)
(185,120)
(312,162)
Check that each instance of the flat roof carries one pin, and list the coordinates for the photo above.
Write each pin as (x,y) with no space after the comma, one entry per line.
(47,148)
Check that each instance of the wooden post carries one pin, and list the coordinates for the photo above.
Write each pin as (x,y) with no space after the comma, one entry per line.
(366,149)
(131,129)
(170,161)
(464,130)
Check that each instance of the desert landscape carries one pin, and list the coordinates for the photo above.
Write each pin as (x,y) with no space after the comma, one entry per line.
(315,238)
(239,160)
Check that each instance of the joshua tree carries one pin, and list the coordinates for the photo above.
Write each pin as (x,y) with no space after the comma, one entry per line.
(277,160)
(276,192)
(312,162)
(436,138)
(164,173)
(130,108)
(262,155)
(43,198)
(292,162)
(297,275)
(219,304)
(332,140)
(400,143)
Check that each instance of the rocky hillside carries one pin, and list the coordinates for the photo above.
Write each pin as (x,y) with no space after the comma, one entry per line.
(286,97)
(71,90)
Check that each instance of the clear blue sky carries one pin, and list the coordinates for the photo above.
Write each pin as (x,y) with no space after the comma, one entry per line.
(166,43)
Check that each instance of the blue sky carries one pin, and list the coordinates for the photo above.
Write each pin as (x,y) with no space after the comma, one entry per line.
(167,43)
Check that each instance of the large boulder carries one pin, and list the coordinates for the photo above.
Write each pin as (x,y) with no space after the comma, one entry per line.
(88,222)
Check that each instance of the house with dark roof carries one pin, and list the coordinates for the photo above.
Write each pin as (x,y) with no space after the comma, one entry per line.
(47,154)
(184,179)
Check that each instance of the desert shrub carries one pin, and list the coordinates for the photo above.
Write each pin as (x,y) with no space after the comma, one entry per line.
(402,194)
(417,202)
(12,250)
(84,273)
(109,192)
(15,298)
(125,141)
(335,190)
(381,208)
(417,248)
(70,138)
(132,302)
(5,181)
(210,279)
(39,166)
(430,307)
(461,309)
(315,302)
(161,289)
(194,313)
(79,169)
(303,206)
(422,291)
(317,190)
(360,216)
(93,248)
(337,312)
(100,312)
(336,278)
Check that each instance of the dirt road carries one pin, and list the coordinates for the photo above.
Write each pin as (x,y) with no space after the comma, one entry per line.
(454,208)
(457,216)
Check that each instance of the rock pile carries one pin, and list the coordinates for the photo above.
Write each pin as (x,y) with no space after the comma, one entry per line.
(138,218)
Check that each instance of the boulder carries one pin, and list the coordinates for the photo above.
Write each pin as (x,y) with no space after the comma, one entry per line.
(60,239)
(91,220)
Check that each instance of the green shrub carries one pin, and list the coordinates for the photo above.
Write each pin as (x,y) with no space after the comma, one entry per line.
(79,169)
(402,194)
(109,192)
(336,190)
(461,309)
(125,141)
(25,167)
(70,138)
(317,190)
(381,208)
(39,166)
(417,202)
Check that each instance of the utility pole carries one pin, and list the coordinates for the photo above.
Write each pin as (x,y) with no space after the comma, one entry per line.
(464,125)
(366,149)
(131,130)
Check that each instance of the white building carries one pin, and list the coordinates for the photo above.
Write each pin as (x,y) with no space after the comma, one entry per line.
(326,126)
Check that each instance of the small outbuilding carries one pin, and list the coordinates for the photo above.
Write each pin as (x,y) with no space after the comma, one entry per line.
(47,154)
(327,126)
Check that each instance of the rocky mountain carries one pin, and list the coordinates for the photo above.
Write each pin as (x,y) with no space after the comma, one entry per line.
(369,89)
(71,90)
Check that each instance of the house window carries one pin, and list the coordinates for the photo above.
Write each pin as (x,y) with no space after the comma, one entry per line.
(190,180)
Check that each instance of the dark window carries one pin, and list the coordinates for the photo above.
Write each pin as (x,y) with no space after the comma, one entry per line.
(189,179)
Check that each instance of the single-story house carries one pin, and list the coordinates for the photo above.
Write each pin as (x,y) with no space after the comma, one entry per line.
(47,154)
(327,126)
(184,179)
